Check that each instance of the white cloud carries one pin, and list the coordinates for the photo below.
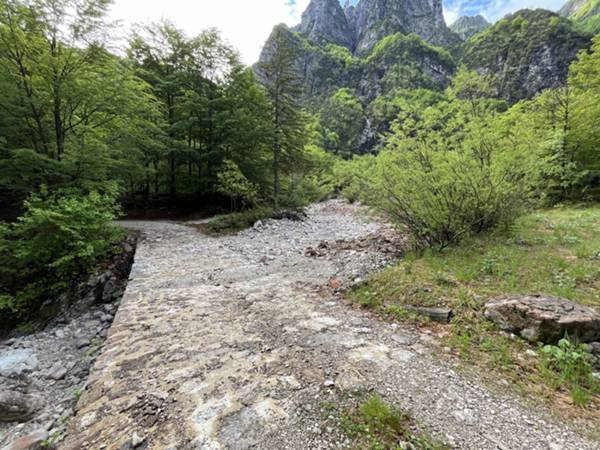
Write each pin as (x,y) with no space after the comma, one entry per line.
(450,15)
(245,24)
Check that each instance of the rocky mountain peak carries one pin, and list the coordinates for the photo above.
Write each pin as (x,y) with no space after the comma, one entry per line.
(325,21)
(360,27)
(467,26)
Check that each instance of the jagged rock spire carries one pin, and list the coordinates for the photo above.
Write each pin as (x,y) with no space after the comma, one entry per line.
(324,20)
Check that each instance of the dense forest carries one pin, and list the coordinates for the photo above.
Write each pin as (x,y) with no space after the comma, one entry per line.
(453,147)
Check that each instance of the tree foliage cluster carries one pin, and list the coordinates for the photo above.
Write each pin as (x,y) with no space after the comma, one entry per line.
(83,129)
(175,116)
(60,237)
(461,162)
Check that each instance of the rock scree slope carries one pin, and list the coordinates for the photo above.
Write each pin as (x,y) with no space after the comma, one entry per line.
(234,343)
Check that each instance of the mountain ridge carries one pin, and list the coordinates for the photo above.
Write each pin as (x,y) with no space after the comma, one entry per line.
(586,13)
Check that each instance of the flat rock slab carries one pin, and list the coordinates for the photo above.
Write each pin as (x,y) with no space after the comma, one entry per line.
(543,318)
(236,342)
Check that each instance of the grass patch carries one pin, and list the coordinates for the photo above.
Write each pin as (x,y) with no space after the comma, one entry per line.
(554,252)
(376,425)
(235,222)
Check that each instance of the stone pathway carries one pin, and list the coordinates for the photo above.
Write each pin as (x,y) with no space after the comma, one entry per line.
(230,343)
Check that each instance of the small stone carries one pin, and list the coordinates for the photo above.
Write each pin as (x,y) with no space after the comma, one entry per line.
(15,406)
(465,416)
(335,283)
(81,343)
(106,318)
(594,348)
(402,340)
(329,383)
(136,440)
(57,372)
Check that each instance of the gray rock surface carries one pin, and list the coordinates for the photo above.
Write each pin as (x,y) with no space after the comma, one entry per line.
(33,441)
(360,27)
(41,373)
(543,318)
(372,20)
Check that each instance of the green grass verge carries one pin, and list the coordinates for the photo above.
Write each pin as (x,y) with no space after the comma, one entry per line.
(235,222)
(554,252)
(376,425)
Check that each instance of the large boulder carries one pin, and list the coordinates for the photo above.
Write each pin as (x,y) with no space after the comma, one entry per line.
(540,318)
(17,407)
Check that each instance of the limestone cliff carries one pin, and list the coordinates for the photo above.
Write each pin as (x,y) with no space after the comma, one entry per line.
(526,52)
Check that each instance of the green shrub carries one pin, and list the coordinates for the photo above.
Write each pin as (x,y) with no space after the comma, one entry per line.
(377,425)
(567,365)
(58,239)
(442,197)
(232,183)
(451,170)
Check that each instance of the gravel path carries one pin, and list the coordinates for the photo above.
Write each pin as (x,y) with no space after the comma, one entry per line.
(234,343)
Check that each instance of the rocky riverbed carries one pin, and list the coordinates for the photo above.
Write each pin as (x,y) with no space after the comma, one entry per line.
(43,373)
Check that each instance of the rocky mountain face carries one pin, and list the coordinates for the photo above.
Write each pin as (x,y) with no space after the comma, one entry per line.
(324,21)
(525,52)
(372,20)
(360,27)
(586,13)
(467,26)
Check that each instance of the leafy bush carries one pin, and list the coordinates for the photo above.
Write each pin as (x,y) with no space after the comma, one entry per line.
(568,365)
(451,170)
(234,184)
(58,239)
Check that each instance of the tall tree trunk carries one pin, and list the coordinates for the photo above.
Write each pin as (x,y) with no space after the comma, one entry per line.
(172,162)
(276,176)
(57,104)
(172,180)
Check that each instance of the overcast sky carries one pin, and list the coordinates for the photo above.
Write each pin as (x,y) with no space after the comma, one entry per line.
(246,24)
